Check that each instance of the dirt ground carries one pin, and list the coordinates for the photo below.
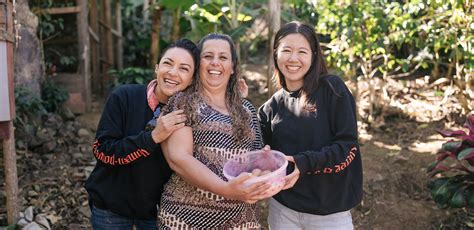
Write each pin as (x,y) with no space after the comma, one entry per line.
(394,156)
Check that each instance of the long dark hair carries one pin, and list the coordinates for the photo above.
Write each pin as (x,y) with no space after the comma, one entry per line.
(240,117)
(318,69)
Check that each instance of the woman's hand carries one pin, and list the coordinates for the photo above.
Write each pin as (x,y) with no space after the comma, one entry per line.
(167,124)
(243,88)
(236,189)
(261,190)
(266,148)
(291,179)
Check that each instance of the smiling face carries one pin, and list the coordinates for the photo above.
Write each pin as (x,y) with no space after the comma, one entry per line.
(216,65)
(294,59)
(174,73)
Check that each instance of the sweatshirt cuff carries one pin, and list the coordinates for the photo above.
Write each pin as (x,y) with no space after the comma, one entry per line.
(150,144)
(302,162)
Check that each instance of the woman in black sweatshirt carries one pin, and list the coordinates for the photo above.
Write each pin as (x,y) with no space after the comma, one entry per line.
(312,119)
(127,181)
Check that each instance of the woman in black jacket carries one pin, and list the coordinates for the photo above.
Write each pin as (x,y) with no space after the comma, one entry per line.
(312,119)
(127,182)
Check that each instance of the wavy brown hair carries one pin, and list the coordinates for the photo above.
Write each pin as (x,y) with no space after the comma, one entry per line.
(239,116)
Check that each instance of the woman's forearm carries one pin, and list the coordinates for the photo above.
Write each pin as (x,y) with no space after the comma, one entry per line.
(197,174)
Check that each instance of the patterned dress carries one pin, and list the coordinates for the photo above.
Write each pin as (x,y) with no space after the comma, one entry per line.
(184,206)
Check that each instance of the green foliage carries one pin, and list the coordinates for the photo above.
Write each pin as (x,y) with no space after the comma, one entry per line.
(57,34)
(27,106)
(53,96)
(137,34)
(173,4)
(454,185)
(231,17)
(50,25)
(386,38)
(299,10)
(132,75)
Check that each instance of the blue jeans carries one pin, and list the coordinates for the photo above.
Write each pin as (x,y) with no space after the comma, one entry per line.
(107,220)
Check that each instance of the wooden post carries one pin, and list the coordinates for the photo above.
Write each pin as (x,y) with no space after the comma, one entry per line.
(106,41)
(8,114)
(11,175)
(274,7)
(109,41)
(84,53)
(95,53)
(118,26)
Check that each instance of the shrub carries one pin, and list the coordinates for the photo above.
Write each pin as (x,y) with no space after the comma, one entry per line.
(453,172)
(132,75)
(53,96)
(27,106)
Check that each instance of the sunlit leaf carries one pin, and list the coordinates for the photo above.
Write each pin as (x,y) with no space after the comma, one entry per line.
(466,153)
(451,145)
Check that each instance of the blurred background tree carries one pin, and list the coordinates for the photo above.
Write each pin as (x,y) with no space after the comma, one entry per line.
(386,48)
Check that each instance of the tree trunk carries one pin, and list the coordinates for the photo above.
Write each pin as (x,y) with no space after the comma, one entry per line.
(106,42)
(155,37)
(84,50)
(176,18)
(95,48)
(274,25)
(118,26)
(27,63)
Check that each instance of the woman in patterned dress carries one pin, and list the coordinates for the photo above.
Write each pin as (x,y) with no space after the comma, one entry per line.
(220,125)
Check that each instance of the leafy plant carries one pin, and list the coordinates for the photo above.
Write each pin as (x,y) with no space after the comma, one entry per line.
(132,75)
(53,96)
(453,186)
(57,34)
(27,106)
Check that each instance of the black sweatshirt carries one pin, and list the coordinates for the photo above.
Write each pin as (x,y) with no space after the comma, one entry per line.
(131,170)
(324,144)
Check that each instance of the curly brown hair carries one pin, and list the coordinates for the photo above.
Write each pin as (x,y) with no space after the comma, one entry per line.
(239,115)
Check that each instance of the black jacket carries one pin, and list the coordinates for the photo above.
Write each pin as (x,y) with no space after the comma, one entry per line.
(131,170)
(324,144)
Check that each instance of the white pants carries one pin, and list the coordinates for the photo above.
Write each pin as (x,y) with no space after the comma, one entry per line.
(281,217)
